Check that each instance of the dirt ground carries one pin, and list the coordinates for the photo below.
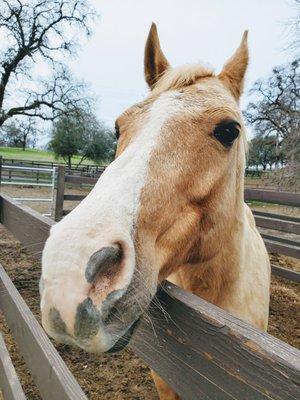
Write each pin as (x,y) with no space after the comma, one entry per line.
(123,376)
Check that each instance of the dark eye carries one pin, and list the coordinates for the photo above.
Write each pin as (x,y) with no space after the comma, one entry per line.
(117,131)
(226,132)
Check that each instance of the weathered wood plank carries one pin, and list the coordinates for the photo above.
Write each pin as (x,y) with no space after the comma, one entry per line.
(205,353)
(276,244)
(28,226)
(280,239)
(74,197)
(80,179)
(271,196)
(60,191)
(281,248)
(289,218)
(286,273)
(50,373)
(278,224)
(9,382)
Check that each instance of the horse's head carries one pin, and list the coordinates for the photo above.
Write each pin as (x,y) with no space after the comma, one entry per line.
(148,213)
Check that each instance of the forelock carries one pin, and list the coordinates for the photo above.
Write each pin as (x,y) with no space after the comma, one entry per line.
(177,78)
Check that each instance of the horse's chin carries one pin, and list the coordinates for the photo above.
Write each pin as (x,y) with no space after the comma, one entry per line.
(123,341)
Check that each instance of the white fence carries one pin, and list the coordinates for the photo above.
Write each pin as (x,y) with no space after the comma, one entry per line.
(30,176)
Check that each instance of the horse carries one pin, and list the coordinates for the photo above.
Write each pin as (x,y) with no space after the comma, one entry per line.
(170,206)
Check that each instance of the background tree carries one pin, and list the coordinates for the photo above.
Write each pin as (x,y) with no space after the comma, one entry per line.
(40,32)
(262,152)
(275,111)
(19,133)
(82,134)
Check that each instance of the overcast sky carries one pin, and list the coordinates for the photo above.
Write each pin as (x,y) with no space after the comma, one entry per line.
(190,31)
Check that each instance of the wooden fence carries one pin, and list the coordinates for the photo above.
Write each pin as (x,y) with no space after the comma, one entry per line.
(34,173)
(202,351)
(85,168)
(274,244)
(273,196)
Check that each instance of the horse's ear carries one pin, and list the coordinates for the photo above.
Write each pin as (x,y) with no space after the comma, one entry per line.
(155,62)
(234,70)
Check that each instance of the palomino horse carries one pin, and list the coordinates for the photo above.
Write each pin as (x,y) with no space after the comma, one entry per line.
(170,206)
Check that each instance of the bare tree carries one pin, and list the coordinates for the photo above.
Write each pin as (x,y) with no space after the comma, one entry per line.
(275,110)
(39,31)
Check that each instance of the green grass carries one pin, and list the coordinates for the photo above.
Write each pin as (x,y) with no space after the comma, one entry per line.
(16,153)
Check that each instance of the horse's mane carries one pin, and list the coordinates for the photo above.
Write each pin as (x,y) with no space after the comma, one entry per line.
(180,77)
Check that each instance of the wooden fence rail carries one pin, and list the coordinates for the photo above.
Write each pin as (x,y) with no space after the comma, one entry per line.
(278,222)
(286,273)
(81,168)
(272,196)
(202,351)
(9,382)
(50,373)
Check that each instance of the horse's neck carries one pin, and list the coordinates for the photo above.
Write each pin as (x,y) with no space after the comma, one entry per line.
(220,246)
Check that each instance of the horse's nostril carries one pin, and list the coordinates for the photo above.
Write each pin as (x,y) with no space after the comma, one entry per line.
(102,261)
(87,321)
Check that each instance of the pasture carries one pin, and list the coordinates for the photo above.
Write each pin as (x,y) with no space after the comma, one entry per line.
(16,153)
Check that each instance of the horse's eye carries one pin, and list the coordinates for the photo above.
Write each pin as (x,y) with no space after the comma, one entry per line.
(117,131)
(226,132)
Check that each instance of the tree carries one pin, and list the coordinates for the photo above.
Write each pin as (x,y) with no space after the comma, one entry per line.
(82,134)
(37,32)
(19,134)
(262,151)
(276,111)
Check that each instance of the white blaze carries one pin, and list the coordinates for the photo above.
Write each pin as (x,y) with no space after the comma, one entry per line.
(107,215)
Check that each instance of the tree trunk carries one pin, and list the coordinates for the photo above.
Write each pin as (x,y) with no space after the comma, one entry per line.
(82,158)
(69,162)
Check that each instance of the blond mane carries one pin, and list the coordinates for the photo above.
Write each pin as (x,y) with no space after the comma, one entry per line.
(180,77)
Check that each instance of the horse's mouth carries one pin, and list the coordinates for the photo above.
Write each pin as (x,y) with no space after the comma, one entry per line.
(123,340)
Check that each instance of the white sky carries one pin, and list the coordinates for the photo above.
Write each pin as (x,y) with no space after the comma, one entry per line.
(190,31)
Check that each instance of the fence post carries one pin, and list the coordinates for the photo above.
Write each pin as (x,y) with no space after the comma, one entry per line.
(60,191)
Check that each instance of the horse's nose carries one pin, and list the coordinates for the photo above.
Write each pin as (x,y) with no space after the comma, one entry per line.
(81,306)
(101,271)
(105,262)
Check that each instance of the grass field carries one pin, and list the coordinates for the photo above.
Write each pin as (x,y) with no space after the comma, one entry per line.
(35,155)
